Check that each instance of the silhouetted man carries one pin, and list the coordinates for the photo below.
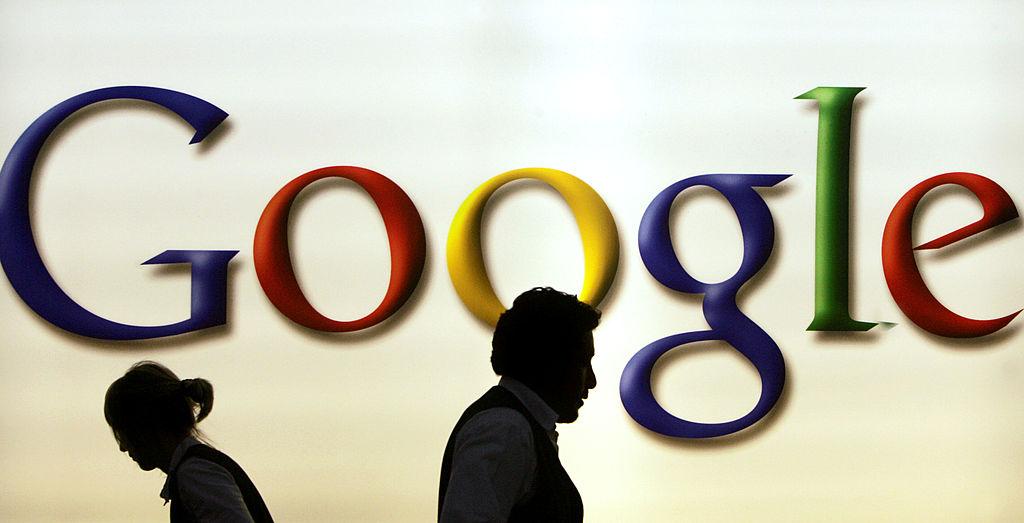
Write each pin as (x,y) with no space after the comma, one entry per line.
(501,462)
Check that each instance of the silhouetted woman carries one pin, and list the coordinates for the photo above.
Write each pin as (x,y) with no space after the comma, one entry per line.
(153,416)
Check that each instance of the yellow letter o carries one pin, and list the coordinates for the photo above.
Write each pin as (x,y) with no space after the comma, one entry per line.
(597,232)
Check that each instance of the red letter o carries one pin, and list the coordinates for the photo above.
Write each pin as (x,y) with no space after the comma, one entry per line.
(405,238)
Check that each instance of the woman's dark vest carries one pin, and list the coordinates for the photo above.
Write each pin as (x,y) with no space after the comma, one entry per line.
(554,497)
(253,501)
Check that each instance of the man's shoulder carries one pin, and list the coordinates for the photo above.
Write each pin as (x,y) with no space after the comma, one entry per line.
(499,417)
(489,464)
(496,396)
(496,424)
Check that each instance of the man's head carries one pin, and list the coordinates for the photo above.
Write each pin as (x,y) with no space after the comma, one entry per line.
(545,341)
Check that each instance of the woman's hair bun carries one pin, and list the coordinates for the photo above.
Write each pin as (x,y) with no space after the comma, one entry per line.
(200,392)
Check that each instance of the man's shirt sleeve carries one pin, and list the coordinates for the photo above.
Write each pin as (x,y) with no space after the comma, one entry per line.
(493,467)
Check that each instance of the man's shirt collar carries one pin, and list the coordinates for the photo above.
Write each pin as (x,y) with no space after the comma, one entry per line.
(535,405)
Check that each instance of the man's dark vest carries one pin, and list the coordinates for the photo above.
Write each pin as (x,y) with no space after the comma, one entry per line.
(253,501)
(554,498)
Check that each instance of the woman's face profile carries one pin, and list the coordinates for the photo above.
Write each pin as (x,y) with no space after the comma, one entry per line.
(140,448)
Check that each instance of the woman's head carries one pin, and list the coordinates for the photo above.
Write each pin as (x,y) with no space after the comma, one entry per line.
(150,411)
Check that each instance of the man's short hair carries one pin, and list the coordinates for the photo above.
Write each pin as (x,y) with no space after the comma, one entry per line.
(544,327)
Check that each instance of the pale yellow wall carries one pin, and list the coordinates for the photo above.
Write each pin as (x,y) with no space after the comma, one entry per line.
(891,425)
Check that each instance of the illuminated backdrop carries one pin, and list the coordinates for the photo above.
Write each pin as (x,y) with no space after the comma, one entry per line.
(893,423)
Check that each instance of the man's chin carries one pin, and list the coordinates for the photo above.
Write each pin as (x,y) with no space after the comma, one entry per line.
(569,416)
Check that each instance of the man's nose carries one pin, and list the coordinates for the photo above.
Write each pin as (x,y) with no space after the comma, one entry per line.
(591,378)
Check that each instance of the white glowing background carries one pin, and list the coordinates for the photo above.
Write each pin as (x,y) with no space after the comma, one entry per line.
(894,425)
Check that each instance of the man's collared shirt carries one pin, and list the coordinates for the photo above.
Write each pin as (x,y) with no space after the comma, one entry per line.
(494,461)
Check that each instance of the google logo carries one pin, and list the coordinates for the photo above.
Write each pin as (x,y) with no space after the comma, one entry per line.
(32,281)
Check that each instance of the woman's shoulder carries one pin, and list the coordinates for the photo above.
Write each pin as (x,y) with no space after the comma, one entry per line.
(206,467)
(208,488)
